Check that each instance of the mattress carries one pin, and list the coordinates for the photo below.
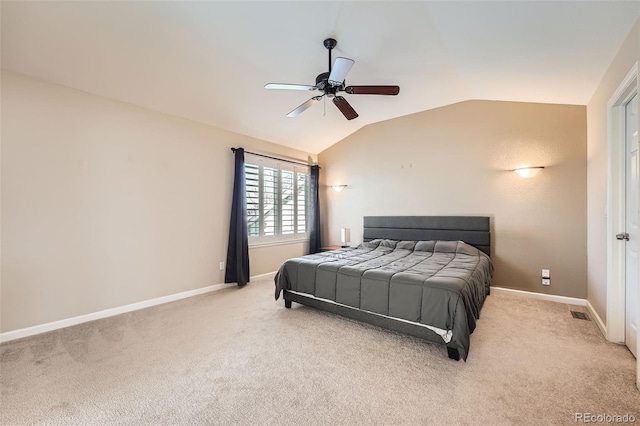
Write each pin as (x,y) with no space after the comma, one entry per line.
(441,285)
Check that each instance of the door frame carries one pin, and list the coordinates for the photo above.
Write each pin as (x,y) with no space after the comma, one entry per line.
(616,205)
(615,210)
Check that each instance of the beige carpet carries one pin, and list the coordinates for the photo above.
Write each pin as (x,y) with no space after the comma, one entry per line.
(237,357)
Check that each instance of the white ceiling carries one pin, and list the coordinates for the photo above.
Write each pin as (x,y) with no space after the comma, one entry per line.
(209,61)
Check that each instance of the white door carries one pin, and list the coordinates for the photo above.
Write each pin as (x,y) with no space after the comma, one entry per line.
(632,195)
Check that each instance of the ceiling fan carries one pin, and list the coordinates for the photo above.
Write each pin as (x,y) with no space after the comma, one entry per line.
(331,83)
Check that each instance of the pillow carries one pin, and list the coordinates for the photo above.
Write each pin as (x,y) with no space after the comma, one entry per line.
(465,248)
(406,245)
(425,245)
(447,246)
(370,244)
(388,243)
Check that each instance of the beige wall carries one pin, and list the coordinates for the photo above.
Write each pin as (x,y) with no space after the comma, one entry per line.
(106,204)
(454,161)
(597,165)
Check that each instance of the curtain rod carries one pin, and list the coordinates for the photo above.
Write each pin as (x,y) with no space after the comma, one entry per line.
(275,158)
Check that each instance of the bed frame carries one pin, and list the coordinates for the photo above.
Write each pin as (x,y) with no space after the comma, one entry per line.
(473,230)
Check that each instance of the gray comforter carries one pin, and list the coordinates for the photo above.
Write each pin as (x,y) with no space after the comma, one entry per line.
(440,284)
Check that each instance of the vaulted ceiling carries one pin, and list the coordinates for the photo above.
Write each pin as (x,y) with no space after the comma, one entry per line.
(209,61)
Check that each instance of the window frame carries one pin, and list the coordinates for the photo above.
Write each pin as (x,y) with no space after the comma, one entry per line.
(280,166)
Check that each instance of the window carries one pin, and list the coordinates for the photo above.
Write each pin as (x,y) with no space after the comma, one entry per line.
(277,200)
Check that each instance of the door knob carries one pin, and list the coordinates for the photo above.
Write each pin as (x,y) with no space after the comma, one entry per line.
(622,236)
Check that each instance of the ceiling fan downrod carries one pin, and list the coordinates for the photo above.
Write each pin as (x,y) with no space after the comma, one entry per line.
(330,43)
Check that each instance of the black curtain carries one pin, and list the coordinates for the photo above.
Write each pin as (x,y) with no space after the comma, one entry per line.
(238,249)
(314,229)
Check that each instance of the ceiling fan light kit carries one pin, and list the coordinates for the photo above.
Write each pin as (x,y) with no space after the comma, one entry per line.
(331,83)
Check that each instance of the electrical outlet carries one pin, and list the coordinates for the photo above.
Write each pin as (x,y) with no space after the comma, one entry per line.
(545,273)
(222,266)
(546,281)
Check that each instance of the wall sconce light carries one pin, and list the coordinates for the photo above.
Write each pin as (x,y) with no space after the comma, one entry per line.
(338,188)
(345,236)
(527,172)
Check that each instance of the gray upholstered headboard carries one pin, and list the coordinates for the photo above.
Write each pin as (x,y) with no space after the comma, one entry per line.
(473,230)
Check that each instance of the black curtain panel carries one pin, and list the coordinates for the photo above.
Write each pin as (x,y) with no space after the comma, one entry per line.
(238,250)
(314,209)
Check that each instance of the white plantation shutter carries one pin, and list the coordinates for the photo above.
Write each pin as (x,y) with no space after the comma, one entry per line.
(252,176)
(277,199)
(303,200)
(288,202)
(270,200)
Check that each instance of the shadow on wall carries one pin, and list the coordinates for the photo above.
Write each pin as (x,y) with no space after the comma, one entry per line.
(517,275)
(502,269)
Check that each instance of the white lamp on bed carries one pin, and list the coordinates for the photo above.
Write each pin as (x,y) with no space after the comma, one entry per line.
(345,236)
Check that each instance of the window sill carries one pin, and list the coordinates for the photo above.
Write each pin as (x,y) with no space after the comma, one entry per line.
(278,243)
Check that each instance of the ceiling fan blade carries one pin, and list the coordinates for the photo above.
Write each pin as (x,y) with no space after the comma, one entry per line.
(345,108)
(341,68)
(284,86)
(372,90)
(311,102)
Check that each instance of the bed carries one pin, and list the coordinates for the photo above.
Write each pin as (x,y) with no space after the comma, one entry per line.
(426,276)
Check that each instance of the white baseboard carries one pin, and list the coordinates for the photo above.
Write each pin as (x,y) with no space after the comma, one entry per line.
(267,275)
(540,296)
(598,320)
(55,325)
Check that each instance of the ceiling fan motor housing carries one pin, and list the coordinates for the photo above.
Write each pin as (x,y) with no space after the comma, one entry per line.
(321,80)
(323,85)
